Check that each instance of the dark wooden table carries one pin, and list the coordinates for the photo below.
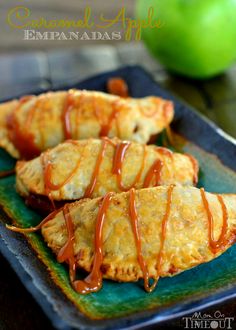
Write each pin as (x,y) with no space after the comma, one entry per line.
(25,72)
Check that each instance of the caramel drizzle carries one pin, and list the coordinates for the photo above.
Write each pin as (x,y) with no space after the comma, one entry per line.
(35,228)
(25,141)
(90,189)
(167,106)
(154,171)
(20,136)
(164,151)
(49,186)
(163,228)
(134,222)
(195,168)
(48,166)
(69,105)
(66,253)
(106,126)
(78,115)
(118,86)
(118,159)
(6,173)
(93,282)
(215,245)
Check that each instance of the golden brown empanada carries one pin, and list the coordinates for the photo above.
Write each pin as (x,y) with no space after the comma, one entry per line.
(91,168)
(35,123)
(147,233)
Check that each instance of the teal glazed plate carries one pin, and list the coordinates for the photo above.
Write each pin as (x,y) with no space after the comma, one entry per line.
(125,305)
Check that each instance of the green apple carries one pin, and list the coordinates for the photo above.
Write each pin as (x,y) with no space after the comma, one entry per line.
(198,37)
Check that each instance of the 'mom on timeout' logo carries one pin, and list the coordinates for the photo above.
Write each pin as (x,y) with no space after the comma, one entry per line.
(206,321)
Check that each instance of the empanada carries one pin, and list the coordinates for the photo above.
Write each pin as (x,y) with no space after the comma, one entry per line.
(147,233)
(91,168)
(35,123)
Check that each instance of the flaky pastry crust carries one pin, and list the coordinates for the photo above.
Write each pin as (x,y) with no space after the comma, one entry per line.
(48,119)
(72,167)
(186,241)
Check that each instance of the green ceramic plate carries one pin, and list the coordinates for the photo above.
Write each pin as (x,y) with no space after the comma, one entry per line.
(120,305)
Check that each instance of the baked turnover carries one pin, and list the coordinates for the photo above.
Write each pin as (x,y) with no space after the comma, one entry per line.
(91,168)
(35,123)
(147,233)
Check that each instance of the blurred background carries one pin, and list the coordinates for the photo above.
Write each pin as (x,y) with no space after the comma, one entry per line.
(28,64)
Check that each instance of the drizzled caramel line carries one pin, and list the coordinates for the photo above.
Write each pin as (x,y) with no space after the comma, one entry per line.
(5,173)
(90,189)
(66,253)
(47,171)
(21,137)
(215,245)
(25,141)
(195,168)
(134,222)
(118,159)
(93,282)
(36,228)
(65,116)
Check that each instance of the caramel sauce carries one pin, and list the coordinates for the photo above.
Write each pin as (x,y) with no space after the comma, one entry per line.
(154,171)
(78,116)
(65,117)
(134,222)
(46,165)
(118,159)
(170,136)
(90,189)
(163,228)
(195,168)
(215,245)
(152,178)
(168,106)
(47,169)
(164,151)
(98,113)
(93,282)
(66,253)
(167,110)
(117,86)
(120,151)
(36,228)
(22,139)
(6,173)
(106,125)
